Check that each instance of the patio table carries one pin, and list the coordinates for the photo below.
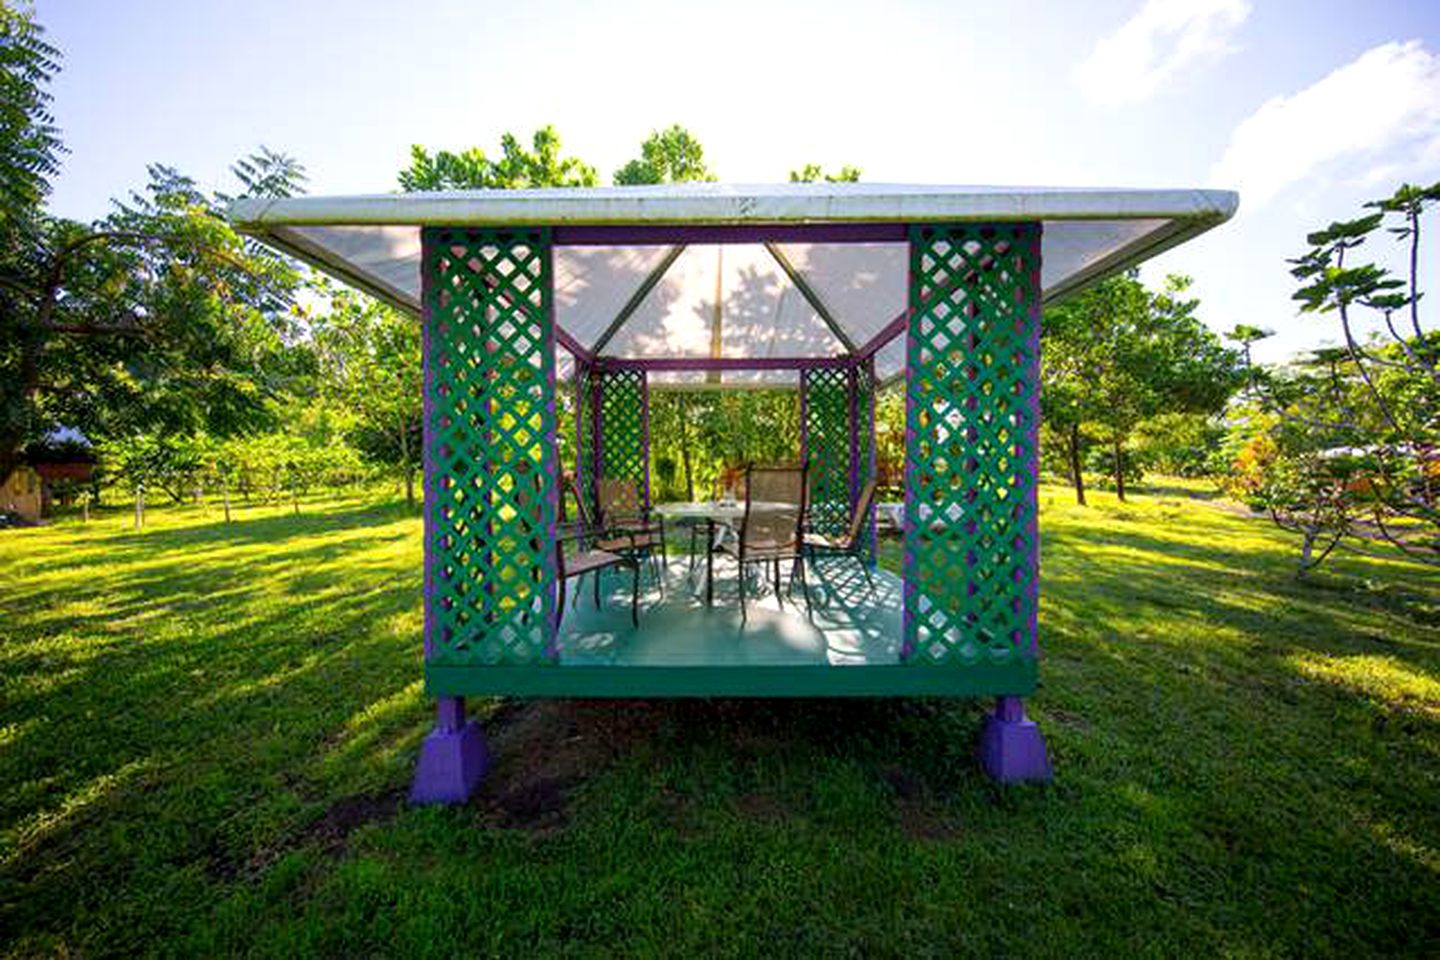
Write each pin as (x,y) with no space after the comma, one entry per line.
(714,514)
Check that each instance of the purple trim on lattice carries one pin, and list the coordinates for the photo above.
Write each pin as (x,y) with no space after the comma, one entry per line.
(597,440)
(645,432)
(804,419)
(853,385)
(890,331)
(428,475)
(656,234)
(707,364)
(907,558)
(581,373)
(1032,436)
(551,449)
(580,354)
(874,465)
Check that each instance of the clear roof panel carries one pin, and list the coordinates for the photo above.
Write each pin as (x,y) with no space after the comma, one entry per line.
(728,301)
(804,295)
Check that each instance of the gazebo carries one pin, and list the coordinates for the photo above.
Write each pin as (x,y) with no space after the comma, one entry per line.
(836,290)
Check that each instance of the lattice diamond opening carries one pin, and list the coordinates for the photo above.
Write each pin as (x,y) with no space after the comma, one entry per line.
(827,425)
(489,446)
(972,382)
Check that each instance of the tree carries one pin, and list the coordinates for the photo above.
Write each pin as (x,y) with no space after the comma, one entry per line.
(158,317)
(672,155)
(1118,354)
(1354,434)
(370,363)
(517,167)
(30,145)
(812,172)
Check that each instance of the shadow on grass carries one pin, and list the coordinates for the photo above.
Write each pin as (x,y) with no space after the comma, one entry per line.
(238,707)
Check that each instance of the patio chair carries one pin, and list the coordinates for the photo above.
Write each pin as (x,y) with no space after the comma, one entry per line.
(623,514)
(588,552)
(770,528)
(851,543)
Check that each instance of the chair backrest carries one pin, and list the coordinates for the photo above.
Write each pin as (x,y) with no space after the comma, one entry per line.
(582,511)
(620,500)
(774,505)
(862,514)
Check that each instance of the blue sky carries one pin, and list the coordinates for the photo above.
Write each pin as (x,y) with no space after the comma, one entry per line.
(1308,108)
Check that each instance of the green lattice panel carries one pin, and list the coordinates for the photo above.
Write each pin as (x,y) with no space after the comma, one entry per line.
(490,446)
(970,454)
(623,454)
(827,446)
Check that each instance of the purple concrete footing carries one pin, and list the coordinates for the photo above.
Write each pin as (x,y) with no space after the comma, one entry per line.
(1012,749)
(452,759)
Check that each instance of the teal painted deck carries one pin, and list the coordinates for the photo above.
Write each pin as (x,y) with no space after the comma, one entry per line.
(849,645)
(848,625)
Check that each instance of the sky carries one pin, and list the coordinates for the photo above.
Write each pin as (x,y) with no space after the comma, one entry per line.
(1308,109)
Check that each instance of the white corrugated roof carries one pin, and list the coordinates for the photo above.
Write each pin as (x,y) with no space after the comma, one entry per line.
(373,242)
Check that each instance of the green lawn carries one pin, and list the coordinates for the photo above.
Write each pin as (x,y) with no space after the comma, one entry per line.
(206,734)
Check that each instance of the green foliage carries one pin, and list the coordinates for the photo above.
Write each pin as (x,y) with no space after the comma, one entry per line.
(158,317)
(1349,453)
(704,435)
(517,167)
(672,155)
(1117,355)
(812,172)
(369,364)
(30,145)
(1179,444)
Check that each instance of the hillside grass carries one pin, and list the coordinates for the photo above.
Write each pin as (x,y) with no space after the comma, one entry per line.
(207,732)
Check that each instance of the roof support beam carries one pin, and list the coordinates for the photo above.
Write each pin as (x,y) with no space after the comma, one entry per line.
(570,343)
(892,330)
(637,298)
(708,364)
(811,296)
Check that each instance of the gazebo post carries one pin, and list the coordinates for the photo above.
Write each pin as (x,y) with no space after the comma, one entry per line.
(972,386)
(453,757)
(491,490)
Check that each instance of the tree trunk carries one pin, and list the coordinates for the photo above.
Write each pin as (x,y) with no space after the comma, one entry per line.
(139,505)
(225,497)
(1120,469)
(409,487)
(1076,474)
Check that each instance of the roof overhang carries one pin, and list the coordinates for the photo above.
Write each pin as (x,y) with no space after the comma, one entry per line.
(617,243)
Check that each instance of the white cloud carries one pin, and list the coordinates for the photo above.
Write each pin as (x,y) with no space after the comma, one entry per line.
(1150,48)
(1382,109)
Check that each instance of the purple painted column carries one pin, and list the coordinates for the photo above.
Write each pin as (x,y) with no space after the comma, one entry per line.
(804,418)
(453,757)
(873,467)
(645,431)
(1012,749)
(852,387)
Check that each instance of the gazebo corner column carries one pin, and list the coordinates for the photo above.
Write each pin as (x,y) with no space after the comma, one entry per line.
(491,488)
(971,558)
